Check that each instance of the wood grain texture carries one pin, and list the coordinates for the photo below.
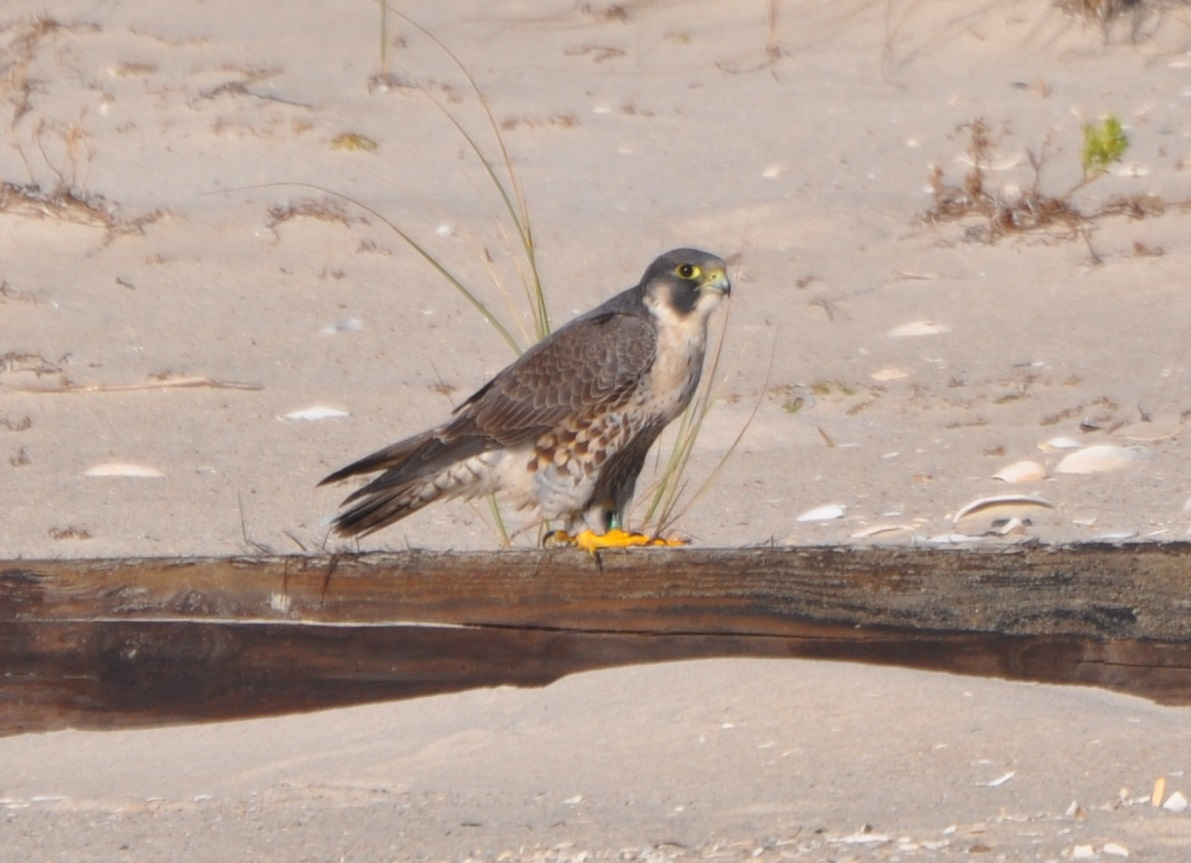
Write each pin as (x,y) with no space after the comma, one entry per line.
(142,641)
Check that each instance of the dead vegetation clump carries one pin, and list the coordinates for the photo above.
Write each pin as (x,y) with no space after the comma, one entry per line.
(999,211)
(36,364)
(1140,15)
(67,200)
(64,147)
(324,210)
(70,204)
(63,203)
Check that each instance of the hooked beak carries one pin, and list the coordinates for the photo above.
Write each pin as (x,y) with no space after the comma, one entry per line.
(716,282)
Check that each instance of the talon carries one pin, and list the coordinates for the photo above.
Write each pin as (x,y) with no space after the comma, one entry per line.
(558,539)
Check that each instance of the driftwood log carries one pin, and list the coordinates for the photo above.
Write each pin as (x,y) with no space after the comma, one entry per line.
(107,643)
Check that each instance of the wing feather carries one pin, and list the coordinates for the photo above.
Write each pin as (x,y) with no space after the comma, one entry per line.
(593,363)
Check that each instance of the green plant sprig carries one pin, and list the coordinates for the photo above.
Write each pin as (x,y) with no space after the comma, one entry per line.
(1104,144)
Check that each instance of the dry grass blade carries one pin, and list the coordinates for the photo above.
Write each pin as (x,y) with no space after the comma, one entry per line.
(498,520)
(672,484)
(512,196)
(438,266)
(166,384)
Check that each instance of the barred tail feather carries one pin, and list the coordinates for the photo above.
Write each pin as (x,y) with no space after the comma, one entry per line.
(396,493)
(385,505)
(394,456)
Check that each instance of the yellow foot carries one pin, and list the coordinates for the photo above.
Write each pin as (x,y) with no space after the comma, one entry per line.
(615,538)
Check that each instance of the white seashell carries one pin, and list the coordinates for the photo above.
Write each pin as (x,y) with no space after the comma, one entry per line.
(1021,471)
(998,501)
(317,413)
(823,513)
(1000,780)
(773,171)
(878,529)
(1115,849)
(120,468)
(863,839)
(1083,852)
(889,374)
(1013,527)
(1175,803)
(1059,443)
(918,328)
(1102,458)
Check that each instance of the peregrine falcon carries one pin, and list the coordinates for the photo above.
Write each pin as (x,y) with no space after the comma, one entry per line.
(566,427)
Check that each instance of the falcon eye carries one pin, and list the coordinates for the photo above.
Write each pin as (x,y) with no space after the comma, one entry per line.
(688,271)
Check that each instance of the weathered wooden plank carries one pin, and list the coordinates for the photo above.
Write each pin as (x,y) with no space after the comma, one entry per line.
(138,673)
(140,641)
(1140,591)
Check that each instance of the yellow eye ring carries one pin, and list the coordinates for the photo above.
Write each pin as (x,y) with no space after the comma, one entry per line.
(688,271)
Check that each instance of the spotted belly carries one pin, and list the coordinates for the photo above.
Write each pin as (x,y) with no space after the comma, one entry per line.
(559,471)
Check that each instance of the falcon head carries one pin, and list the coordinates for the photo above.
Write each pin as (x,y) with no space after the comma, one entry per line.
(685,283)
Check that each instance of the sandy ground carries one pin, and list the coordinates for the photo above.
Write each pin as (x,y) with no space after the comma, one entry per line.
(723,760)
(806,149)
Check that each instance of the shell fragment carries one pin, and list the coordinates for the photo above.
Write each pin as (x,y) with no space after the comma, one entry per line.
(119,468)
(1021,471)
(317,412)
(918,328)
(1009,502)
(1102,458)
(823,513)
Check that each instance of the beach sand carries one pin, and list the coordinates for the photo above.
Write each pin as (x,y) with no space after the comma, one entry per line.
(177,210)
